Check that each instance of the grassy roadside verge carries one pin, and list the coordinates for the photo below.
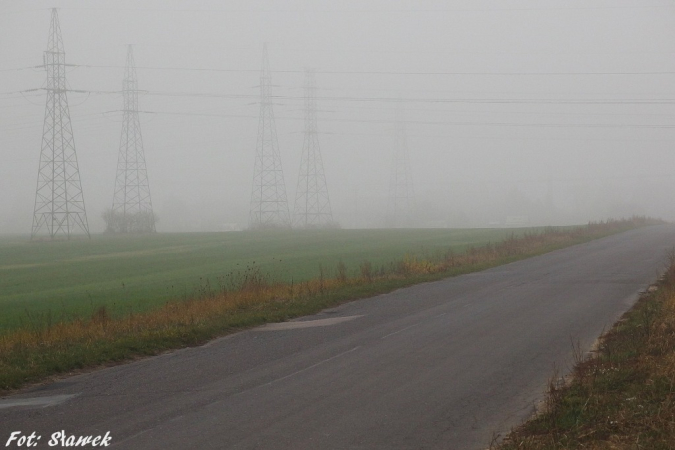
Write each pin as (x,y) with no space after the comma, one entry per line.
(31,354)
(624,396)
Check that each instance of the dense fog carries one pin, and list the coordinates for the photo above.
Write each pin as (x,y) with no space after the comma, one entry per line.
(517,113)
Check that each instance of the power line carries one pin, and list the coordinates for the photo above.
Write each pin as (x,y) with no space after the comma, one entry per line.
(422,122)
(178,113)
(21,92)
(436,100)
(501,138)
(20,68)
(509,112)
(371,72)
(374,11)
(393,100)
(410,100)
(428,100)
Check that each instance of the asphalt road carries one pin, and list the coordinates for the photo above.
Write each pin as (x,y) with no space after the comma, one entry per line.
(441,365)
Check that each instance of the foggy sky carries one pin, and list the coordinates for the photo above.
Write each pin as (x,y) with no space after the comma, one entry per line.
(559,111)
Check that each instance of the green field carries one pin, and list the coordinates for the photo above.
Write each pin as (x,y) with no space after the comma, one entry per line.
(53,281)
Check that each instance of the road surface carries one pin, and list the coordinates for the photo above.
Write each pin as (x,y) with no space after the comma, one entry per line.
(442,365)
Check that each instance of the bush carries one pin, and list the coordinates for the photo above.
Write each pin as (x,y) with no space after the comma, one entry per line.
(126,222)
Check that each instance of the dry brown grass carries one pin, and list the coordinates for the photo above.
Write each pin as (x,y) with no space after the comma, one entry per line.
(253,294)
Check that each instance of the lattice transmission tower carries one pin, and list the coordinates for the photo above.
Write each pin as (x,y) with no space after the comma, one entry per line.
(312,204)
(269,204)
(401,206)
(132,205)
(59,202)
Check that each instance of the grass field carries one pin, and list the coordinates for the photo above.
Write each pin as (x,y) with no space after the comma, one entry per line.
(45,282)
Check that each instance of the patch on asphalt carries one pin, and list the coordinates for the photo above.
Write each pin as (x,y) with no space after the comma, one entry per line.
(305,324)
(35,402)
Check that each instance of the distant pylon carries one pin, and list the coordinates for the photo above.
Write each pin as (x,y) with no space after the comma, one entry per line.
(401,207)
(59,202)
(269,205)
(132,206)
(312,204)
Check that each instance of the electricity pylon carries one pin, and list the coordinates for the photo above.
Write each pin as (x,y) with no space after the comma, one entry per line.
(269,205)
(312,204)
(401,207)
(59,202)
(132,205)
